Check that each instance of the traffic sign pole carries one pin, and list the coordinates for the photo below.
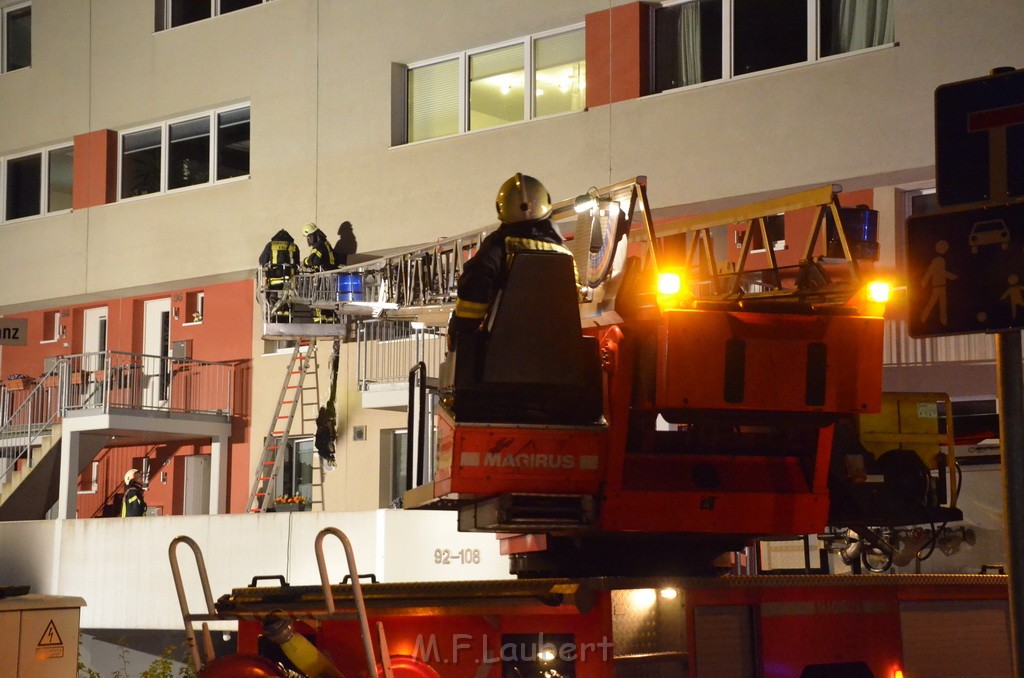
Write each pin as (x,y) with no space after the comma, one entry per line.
(978,131)
(1011,440)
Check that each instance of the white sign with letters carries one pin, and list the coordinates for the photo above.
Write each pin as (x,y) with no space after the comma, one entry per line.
(13,331)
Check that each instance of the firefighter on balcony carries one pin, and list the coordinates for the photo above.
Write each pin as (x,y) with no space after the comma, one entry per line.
(280,261)
(133,503)
(320,258)
(524,206)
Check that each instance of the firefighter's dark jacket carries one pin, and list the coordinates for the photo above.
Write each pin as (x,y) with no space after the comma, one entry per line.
(485,273)
(321,254)
(280,257)
(133,503)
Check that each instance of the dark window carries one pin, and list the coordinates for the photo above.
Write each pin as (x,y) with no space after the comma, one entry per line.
(232,5)
(140,163)
(24,186)
(172,13)
(687,44)
(186,11)
(18,35)
(233,143)
(768,34)
(924,203)
(59,181)
(188,153)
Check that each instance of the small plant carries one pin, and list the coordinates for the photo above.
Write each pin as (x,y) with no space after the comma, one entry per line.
(297,499)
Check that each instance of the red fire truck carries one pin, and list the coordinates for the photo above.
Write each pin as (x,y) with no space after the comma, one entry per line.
(690,406)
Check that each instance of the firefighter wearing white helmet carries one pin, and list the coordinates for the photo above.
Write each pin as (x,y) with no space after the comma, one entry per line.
(523,205)
(321,254)
(133,503)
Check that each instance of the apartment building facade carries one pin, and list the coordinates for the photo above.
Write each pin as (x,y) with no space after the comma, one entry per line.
(149,150)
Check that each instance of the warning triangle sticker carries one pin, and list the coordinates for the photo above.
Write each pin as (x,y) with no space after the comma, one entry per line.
(50,636)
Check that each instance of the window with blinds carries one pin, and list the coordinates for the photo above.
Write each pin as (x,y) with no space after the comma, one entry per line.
(433,96)
(533,77)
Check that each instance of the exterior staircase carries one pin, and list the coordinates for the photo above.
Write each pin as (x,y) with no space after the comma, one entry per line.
(31,416)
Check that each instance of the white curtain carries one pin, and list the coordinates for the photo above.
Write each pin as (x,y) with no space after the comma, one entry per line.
(859,24)
(689,44)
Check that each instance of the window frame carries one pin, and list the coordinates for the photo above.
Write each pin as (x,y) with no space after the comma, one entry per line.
(528,43)
(163,13)
(44,183)
(92,480)
(51,322)
(812,43)
(165,156)
(4,12)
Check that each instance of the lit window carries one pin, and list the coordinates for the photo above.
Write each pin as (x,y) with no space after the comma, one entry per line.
(488,87)
(850,25)
(496,87)
(172,13)
(560,73)
(16,37)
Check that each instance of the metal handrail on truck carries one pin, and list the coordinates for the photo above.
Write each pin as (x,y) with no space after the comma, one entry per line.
(328,611)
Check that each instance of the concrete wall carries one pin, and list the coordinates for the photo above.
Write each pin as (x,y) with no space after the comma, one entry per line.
(120,566)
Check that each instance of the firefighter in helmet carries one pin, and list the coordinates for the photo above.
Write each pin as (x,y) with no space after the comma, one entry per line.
(133,503)
(280,261)
(320,258)
(524,206)
(321,254)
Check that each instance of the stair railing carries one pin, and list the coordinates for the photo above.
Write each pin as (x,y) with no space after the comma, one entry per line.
(32,419)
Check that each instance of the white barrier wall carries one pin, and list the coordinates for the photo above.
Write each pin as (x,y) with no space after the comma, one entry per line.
(121,567)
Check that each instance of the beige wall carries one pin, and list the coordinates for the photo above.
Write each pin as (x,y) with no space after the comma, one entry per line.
(318,75)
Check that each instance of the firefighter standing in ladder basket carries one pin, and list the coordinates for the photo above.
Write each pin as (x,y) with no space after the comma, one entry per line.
(280,261)
(523,205)
(320,258)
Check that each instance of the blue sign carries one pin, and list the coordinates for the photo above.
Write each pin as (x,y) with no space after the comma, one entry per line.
(979,125)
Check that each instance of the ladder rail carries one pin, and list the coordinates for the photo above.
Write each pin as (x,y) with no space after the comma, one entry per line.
(278,436)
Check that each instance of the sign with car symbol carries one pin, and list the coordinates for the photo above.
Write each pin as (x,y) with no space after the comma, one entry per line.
(965,270)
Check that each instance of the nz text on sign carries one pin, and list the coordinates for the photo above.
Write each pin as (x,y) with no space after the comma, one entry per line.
(13,332)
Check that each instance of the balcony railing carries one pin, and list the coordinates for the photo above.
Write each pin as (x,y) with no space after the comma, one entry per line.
(388,349)
(93,383)
(113,380)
